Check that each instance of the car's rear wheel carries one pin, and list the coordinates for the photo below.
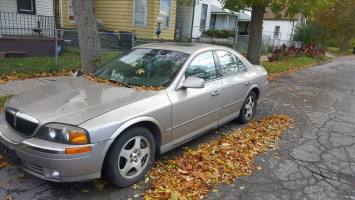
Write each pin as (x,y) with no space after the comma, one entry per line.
(131,157)
(249,107)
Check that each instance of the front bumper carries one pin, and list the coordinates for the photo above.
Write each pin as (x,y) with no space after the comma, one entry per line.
(48,161)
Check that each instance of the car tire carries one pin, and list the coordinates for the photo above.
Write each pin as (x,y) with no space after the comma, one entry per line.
(248,109)
(130,157)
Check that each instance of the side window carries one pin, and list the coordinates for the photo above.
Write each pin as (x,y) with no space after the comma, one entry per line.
(241,66)
(230,64)
(203,66)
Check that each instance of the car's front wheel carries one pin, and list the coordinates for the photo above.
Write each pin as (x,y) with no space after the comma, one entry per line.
(249,107)
(131,157)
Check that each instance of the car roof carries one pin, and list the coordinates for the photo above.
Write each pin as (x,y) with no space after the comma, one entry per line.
(184,47)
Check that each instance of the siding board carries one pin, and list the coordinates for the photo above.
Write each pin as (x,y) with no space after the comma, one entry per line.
(118,16)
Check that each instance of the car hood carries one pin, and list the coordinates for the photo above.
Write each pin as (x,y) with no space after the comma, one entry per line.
(74,100)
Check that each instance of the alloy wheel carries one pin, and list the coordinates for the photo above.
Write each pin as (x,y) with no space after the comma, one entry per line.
(134,157)
(249,108)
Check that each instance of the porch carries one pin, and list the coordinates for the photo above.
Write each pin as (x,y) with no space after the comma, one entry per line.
(17,24)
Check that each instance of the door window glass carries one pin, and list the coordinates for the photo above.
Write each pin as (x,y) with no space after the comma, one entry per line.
(230,63)
(203,66)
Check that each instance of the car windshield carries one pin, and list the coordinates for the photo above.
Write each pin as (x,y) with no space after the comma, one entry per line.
(144,66)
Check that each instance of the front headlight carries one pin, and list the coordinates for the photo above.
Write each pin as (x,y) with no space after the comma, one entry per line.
(63,133)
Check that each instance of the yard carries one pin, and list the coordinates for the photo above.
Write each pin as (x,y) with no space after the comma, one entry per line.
(289,64)
(32,65)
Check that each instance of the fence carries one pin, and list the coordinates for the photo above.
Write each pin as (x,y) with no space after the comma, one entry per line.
(57,50)
(241,42)
(226,36)
(16,24)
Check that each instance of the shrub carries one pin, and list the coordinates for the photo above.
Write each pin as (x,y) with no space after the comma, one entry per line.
(214,33)
(311,33)
(284,52)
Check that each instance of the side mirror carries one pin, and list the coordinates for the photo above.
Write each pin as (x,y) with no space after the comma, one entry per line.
(193,82)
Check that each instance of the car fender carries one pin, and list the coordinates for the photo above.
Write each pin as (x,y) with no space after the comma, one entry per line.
(251,88)
(128,124)
(132,122)
(123,127)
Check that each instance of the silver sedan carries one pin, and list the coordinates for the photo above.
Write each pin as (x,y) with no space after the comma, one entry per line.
(153,99)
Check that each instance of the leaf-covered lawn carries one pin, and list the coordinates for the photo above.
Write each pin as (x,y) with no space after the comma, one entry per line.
(33,67)
(193,174)
(288,64)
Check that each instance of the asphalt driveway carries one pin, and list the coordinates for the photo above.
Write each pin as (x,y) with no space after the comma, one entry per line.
(314,160)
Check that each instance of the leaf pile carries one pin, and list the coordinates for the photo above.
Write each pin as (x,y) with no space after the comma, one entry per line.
(22,76)
(191,175)
(91,77)
(3,162)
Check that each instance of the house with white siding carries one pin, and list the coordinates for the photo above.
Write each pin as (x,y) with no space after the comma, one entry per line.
(26,17)
(280,27)
(193,21)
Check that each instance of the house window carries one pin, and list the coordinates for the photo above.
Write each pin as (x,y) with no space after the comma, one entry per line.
(26,6)
(140,12)
(203,17)
(277,32)
(165,12)
(71,11)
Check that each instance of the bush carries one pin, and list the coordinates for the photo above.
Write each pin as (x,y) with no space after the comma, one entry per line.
(311,33)
(284,52)
(214,33)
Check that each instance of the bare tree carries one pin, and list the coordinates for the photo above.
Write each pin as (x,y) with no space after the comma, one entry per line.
(89,42)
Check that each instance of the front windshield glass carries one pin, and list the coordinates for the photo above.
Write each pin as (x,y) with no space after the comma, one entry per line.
(147,67)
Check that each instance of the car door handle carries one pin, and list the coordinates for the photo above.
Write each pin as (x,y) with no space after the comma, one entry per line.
(247,83)
(216,92)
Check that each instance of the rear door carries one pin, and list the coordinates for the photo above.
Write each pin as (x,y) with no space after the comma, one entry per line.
(197,110)
(235,84)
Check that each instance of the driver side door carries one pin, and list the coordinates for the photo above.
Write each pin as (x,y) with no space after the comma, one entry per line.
(196,110)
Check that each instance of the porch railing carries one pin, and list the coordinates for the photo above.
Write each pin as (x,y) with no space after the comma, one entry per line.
(15,24)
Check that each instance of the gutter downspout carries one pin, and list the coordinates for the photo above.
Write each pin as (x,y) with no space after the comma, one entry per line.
(193,19)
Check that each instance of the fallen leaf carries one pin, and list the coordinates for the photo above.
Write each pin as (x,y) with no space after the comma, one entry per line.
(221,161)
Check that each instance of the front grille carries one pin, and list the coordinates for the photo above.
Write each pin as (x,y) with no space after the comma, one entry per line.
(21,122)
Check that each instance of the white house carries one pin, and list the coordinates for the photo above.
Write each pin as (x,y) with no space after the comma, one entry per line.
(280,28)
(23,17)
(191,21)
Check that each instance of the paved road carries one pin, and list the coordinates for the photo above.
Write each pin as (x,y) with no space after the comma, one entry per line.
(314,160)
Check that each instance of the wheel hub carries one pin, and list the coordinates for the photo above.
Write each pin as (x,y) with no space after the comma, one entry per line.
(135,156)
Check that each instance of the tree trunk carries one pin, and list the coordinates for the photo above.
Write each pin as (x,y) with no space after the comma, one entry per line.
(256,31)
(89,41)
(346,41)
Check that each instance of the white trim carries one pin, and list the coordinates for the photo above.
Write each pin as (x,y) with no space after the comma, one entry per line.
(61,13)
(32,7)
(134,15)
(171,11)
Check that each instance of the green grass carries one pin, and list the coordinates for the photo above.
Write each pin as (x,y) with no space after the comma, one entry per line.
(69,60)
(286,65)
(3,100)
(336,51)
